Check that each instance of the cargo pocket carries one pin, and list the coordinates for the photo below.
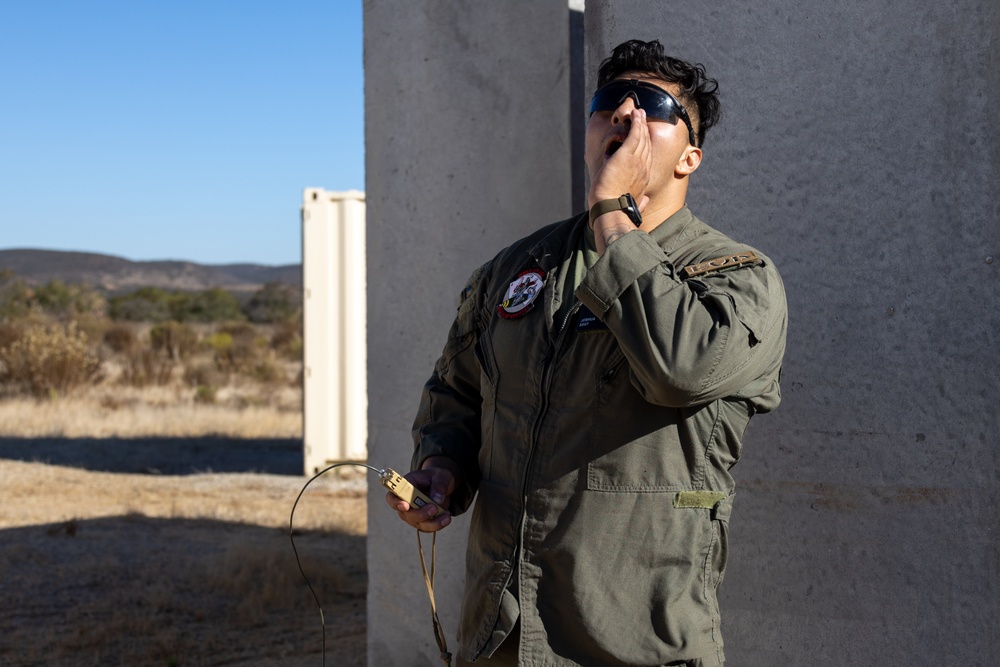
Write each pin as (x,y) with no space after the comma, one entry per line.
(718,556)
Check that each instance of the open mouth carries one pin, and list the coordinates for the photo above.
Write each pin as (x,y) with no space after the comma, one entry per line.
(612,147)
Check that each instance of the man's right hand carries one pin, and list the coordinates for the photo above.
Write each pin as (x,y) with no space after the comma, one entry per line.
(631,166)
(437,480)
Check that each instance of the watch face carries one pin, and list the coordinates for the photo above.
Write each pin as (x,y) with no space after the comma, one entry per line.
(632,209)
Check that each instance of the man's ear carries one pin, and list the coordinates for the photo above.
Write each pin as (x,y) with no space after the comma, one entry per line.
(689,161)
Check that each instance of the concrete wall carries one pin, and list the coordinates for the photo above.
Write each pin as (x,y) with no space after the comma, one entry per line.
(860,149)
(467,147)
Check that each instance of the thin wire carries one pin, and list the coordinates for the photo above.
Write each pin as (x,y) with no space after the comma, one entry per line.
(291,537)
(429,582)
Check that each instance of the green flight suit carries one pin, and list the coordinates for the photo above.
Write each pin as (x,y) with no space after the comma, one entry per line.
(600,441)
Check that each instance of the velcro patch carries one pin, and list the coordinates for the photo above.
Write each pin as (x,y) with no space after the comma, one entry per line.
(698,499)
(720,263)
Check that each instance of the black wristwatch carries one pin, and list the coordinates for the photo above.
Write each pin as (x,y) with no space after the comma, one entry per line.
(624,203)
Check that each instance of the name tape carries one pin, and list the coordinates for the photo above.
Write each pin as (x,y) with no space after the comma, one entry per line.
(719,263)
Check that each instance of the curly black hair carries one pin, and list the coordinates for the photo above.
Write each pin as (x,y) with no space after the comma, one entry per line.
(698,91)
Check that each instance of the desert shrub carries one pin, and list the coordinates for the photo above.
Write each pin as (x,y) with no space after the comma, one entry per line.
(243,333)
(205,394)
(273,303)
(10,331)
(176,340)
(92,324)
(202,374)
(55,297)
(152,304)
(220,343)
(48,360)
(120,338)
(221,346)
(15,295)
(212,305)
(64,301)
(286,339)
(147,304)
(143,366)
(237,346)
(266,372)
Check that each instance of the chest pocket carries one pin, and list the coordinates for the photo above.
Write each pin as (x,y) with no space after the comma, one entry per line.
(653,450)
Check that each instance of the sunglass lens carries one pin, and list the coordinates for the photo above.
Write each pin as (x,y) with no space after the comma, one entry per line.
(656,104)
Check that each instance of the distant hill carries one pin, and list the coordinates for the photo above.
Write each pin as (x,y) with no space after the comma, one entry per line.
(117,274)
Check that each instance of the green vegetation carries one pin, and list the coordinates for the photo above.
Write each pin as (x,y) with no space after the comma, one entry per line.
(151,304)
(271,304)
(56,338)
(176,340)
(55,298)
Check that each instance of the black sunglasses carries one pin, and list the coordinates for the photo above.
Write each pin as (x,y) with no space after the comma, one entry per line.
(656,102)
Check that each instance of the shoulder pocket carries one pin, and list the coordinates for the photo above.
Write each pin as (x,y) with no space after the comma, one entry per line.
(744,291)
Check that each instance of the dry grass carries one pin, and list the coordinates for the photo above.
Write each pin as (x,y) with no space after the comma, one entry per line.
(37,494)
(129,412)
(102,379)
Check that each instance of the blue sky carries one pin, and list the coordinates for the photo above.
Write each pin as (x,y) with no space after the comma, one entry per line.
(176,130)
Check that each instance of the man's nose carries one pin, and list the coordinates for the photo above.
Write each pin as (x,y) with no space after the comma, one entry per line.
(623,114)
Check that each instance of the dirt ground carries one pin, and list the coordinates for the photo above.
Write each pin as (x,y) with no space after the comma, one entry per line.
(176,552)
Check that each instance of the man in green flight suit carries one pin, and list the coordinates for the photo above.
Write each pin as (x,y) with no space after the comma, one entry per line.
(594,391)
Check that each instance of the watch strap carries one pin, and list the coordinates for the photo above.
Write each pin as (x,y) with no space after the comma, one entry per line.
(623,203)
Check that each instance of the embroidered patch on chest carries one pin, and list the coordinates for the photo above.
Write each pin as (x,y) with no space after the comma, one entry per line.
(521,294)
(588,322)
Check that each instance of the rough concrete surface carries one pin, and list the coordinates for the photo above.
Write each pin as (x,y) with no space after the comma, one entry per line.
(859,148)
(467,142)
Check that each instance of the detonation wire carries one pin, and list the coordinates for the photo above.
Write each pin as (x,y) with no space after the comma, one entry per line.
(428,576)
(291,537)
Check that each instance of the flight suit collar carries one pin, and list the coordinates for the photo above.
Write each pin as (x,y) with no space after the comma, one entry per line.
(676,230)
(553,248)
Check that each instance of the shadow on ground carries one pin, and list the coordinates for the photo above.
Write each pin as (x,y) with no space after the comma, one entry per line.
(166,456)
(135,590)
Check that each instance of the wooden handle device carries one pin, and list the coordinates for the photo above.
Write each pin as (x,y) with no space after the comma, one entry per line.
(401,488)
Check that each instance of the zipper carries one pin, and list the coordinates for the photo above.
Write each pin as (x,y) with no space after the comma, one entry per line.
(556,336)
(572,311)
(557,341)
